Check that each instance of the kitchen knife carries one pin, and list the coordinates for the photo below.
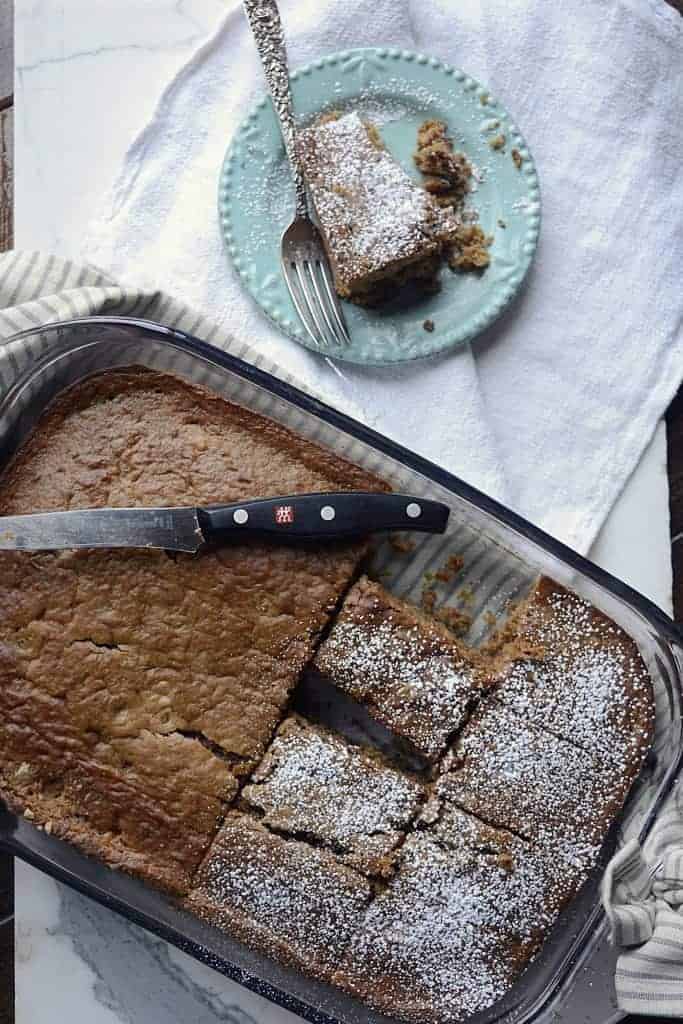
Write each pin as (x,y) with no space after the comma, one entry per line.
(325,516)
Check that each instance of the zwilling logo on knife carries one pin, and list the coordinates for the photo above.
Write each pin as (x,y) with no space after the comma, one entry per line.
(284,514)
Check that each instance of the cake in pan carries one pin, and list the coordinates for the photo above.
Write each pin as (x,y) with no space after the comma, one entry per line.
(409,671)
(136,689)
(314,783)
(146,715)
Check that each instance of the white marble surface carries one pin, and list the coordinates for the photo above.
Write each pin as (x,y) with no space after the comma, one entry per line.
(88,75)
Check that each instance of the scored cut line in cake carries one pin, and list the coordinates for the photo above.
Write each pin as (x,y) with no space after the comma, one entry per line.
(315,784)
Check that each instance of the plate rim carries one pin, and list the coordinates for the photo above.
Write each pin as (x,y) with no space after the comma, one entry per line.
(459,335)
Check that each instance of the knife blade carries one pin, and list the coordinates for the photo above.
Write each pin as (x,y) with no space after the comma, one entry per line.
(328,515)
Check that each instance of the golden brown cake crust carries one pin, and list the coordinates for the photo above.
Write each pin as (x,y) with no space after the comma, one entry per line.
(136,437)
(147,804)
(122,672)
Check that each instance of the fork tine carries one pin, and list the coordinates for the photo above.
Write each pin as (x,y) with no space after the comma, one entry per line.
(322,302)
(334,303)
(300,306)
(312,305)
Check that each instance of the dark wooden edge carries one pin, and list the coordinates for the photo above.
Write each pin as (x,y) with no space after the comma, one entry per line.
(6,241)
(674,427)
(7,971)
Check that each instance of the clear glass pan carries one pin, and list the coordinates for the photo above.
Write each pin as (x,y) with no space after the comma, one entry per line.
(503,553)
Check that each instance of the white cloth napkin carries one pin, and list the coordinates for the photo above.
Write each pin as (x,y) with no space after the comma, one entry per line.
(551,410)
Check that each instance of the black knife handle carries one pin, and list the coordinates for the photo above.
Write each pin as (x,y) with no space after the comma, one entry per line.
(328,516)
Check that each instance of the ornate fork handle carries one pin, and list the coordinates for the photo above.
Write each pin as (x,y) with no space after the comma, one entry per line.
(266,27)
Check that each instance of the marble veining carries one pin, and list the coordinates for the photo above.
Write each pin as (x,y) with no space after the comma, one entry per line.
(80,64)
(77,960)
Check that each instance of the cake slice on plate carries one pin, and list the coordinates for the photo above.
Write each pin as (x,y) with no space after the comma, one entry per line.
(380,228)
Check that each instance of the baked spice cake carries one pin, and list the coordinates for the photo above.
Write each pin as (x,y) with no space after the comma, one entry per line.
(147,803)
(586,682)
(467,908)
(136,688)
(517,776)
(554,877)
(380,229)
(294,902)
(145,716)
(314,784)
(407,670)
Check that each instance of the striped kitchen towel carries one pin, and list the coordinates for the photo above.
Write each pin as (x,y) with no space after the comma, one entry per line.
(37,289)
(643,897)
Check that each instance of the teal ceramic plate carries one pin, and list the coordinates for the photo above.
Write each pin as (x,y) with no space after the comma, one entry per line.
(398,90)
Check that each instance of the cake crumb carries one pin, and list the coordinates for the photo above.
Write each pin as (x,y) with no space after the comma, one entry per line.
(516,158)
(436,186)
(451,566)
(447,175)
(470,251)
(506,861)
(428,325)
(501,223)
(428,599)
(484,99)
(48,827)
(447,172)
(28,814)
(404,545)
(457,621)
(497,142)
(374,135)
(455,562)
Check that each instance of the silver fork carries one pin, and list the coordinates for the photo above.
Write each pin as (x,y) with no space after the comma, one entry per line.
(303,258)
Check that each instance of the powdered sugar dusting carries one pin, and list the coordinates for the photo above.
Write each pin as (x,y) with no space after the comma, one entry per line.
(420,691)
(462,917)
(314,783)
(589,686)
(466,883)
(516,776)
(280,895)
(373,214)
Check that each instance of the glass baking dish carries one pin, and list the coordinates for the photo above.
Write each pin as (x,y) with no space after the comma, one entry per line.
(503,554)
